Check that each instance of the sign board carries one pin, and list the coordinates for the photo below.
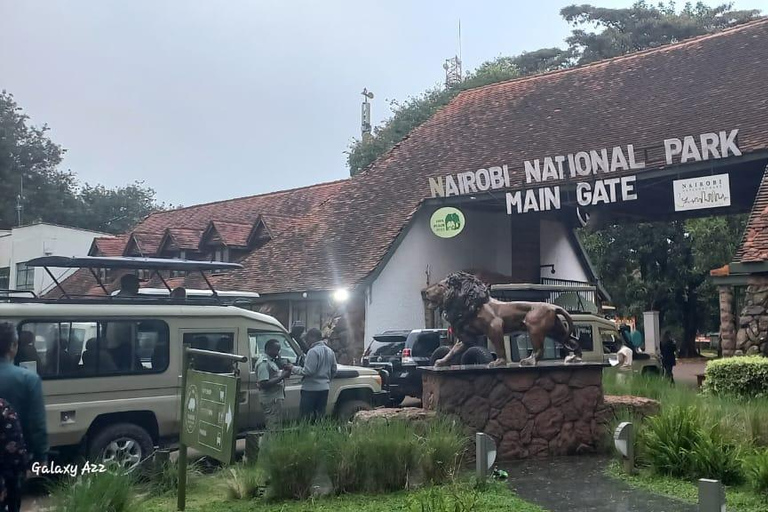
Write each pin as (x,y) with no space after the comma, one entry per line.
(210,414)
(703,192)
(447,222)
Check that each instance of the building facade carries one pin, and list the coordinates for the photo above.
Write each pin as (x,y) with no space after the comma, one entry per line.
(21,244)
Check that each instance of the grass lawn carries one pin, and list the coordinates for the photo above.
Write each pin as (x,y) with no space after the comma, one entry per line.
(209,494)
(737,498)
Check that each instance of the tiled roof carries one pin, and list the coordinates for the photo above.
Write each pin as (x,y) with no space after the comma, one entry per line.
(754,244)
(336,234)
(108,246)
(184,238)
(144,243)
(231,234)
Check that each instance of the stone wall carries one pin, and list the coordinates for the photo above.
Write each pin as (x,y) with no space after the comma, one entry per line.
(752,336)
(551,409)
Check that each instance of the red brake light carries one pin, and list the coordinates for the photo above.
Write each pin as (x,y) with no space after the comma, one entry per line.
(406,352)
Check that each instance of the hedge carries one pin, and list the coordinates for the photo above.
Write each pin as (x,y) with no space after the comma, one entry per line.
(744,377)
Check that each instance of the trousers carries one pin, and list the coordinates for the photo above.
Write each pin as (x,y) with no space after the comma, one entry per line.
(313,404)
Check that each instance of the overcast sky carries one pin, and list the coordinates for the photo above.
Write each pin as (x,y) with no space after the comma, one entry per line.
(207,100)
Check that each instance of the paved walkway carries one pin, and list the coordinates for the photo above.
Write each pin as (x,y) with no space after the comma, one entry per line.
(571,484)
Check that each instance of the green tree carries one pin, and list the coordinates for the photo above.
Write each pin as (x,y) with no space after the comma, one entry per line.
(29,176)
(663,266)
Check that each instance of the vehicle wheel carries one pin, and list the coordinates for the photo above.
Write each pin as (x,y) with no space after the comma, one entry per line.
(348,409)
(123,445)
(439,353)
(477,355)
(396,400)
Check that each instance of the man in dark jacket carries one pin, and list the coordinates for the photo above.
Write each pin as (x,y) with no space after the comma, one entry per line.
(23,391)
(668,360)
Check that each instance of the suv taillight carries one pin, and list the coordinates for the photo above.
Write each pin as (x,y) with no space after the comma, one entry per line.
(407,359)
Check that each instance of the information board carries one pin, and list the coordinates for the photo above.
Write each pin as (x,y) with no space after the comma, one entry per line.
(210,414)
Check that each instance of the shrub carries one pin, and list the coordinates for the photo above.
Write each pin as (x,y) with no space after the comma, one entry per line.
(345,458)
(96,492)
(744,377)
(163,478)
(714,457)
(442,449)
(756,468)
(244,482)
(390,455)
(667,439)
(437,499)
(290,459)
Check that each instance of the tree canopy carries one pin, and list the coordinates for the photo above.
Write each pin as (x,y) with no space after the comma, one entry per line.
(30,177)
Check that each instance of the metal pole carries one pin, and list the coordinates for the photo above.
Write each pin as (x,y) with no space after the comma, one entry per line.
(182,491)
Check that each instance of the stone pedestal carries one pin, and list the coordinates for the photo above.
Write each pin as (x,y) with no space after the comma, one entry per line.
(530,411)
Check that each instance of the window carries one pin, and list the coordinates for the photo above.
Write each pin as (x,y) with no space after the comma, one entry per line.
(77,348)
(215,341)
(5,278)
(584,333)
(221,254)
(257,340)
(525,349)
(611,340)
(426,343)
(25,277)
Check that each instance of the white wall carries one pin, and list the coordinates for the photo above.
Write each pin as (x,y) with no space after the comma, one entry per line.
(556,249)
(394,300)
(28,242)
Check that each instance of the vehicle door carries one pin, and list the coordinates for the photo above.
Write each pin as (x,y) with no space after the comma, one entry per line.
(586,335)
(256,341)
(611,343)
(218,340)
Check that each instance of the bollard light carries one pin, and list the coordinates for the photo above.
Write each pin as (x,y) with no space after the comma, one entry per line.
(485,455)
(711,496)
(623,439)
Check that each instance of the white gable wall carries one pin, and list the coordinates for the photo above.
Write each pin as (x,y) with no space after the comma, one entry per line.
(557,250)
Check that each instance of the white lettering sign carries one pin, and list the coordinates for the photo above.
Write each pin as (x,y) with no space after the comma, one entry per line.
(582,164)
(703,192)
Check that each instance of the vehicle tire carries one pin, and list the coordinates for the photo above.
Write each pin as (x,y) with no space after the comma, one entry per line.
(477,355)
(439,353)
(396,400)
(348,409)
(124,445)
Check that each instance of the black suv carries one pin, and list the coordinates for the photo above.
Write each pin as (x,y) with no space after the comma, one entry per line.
(400,353)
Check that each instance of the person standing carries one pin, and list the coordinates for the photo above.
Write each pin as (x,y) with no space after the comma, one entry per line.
(271,378)
(668,360)
(14,459)
(318,370)
(23,391)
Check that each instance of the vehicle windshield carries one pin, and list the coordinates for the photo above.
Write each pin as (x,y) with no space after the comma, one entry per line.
(386,345)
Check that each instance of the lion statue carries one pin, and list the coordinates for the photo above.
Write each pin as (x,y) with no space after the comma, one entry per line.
(468,306)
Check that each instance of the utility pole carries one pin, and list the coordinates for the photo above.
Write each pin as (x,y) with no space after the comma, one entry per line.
(19,199)
(452,67)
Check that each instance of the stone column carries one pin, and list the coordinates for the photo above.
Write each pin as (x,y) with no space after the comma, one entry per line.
(727,321)
(652,331)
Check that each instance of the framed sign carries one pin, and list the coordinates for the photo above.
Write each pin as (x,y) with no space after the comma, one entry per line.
(704,192)
(447,222)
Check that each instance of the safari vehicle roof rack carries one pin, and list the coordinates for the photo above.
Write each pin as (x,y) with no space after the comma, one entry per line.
(155,265)
(547,293)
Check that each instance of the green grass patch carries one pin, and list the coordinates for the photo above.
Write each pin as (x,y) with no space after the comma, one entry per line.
(738,498)
(210,496)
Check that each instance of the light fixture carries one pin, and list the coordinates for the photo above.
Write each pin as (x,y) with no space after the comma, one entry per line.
(304,295)
(341,295)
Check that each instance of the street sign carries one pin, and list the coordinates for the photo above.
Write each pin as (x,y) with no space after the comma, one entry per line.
(209,414)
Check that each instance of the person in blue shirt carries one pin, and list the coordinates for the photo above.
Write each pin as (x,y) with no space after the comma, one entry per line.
(23,391)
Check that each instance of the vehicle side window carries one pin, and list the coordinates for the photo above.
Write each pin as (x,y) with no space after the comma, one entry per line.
(425,344)
(258,339)
(525,349)
(216,342)
(77,349)
(584,333)
(611,340)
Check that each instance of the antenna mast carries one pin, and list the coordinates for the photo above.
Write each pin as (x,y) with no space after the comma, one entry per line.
(19,199)
(365,124)
(452,67)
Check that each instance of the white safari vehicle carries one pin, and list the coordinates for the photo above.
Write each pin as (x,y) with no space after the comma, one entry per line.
(111,367)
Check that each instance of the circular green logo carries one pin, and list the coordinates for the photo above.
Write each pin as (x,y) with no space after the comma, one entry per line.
(447,222)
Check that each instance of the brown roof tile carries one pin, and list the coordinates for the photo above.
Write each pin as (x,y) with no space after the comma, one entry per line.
(335,234)
(108,246)
(754,244)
